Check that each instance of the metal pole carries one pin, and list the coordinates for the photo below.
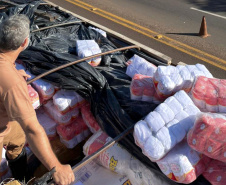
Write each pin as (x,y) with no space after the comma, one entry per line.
(78,61)
(56,25)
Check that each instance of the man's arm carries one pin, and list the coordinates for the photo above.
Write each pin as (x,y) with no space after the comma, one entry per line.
(39,143)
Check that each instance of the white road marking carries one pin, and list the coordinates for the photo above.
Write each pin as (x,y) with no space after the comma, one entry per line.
(208,13)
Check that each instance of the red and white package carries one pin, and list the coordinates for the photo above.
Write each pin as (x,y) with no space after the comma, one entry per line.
(63,119)
(183,164)
(142,88)
(208,135)
(34,97)
(216,173)
(169,79)
(209,94)
(89,119)
(45,89)
(48,124)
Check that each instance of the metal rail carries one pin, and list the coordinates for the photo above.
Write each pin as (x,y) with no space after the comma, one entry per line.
(78,61)
(56,25)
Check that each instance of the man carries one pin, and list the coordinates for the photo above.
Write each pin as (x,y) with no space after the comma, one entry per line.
(17,116)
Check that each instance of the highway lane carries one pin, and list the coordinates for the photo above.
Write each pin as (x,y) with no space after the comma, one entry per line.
(151,15)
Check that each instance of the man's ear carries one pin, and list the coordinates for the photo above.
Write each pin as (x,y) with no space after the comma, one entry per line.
(24,45)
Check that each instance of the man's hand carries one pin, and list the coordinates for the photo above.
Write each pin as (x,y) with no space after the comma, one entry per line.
(24,74)
(63,175)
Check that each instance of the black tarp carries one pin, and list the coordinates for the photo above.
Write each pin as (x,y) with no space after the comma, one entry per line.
(106,87)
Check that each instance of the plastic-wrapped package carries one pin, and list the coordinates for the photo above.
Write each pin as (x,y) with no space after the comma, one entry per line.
(85,128)
(34,97)
(216,173)
(65,100)
(209,94)
(142,88)
(208,135)
(162,129)
(117,159)
(63,119)
(48,124)
(86,48)
(169,79)
(71,135)
(89,119)
(99,30)
(138,65)
(183,164)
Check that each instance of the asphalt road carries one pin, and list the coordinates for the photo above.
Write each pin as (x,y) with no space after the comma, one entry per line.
(179,20)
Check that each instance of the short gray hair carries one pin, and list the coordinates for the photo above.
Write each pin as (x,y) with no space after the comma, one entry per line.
(13,31)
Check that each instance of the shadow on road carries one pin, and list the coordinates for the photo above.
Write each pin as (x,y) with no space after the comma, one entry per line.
(186,34)
(210,5)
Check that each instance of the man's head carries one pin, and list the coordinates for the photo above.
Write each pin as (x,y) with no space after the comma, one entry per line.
(14,33)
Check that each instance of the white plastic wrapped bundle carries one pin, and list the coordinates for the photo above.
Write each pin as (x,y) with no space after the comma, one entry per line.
(173,102)
(209,94)
(117,159)
(166,112)
(161,130)
(183,98)
(182,164)
(86,48)
(99,30)
(45,89)
(167,138)
(142,88)
(155,121)
(141,133)
(138,65)
(64,100)
(205,70)
(153,149)
(48,124)
(169,79)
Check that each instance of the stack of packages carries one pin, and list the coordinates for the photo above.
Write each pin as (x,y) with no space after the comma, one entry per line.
(64,110)
(153,84)
(119,160)
(4,168)
(86,48)
(160,136)
(61,112)
(208,137)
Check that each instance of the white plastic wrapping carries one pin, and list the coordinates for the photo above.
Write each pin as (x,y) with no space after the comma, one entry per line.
(65,100)
(99,30)
(138,65)
(161,130)
(208,135)
(209,94)
(48,124)
(63,119)
(169,79)
(86,48)
(117,159)
(182,164)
